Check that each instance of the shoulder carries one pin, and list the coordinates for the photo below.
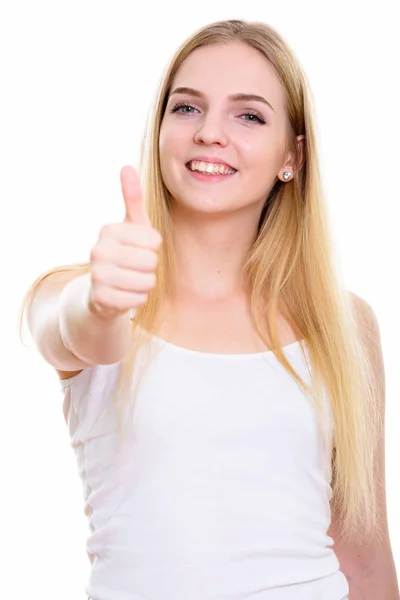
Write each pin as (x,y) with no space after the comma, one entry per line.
(366,318)
(360,305)
(369,331)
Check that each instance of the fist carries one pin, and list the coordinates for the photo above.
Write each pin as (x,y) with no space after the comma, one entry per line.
(124,259)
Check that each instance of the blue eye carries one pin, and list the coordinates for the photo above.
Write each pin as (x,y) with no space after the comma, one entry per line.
(187,109)
(183,108)
(253,118)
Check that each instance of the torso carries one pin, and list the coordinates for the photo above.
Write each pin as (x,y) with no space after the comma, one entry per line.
(206,426)
(223,327)
(218,327)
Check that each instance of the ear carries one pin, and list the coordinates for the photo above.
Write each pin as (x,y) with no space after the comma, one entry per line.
(290,164)
(301,151)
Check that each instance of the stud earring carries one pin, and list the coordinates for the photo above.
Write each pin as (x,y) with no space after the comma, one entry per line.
(287,175)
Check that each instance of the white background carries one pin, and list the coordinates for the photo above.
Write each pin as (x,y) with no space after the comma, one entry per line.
(77,81)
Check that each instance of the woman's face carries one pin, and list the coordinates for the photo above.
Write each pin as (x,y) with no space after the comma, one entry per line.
(222,138)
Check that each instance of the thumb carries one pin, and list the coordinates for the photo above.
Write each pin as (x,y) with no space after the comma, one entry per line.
(133,197)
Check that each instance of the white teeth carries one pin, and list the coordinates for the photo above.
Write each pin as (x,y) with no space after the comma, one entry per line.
(210,168)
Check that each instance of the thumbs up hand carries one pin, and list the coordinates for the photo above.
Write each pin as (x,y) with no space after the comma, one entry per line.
(133,199)
(124,259)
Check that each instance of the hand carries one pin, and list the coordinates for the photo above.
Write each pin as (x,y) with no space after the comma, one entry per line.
(124,259)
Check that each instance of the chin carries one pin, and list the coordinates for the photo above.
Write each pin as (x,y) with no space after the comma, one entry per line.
(206,205)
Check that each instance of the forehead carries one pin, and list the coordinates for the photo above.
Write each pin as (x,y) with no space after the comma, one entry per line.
(229,69)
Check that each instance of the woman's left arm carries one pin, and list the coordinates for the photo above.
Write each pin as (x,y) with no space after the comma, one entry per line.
(370,568)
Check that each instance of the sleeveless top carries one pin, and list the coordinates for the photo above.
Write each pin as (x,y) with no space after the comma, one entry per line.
(221,488)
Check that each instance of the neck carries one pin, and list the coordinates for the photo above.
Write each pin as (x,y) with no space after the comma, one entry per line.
(210,254)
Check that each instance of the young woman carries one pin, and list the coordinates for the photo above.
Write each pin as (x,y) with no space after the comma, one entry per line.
(212,325)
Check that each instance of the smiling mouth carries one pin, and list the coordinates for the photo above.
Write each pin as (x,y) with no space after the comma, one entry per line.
(206,168)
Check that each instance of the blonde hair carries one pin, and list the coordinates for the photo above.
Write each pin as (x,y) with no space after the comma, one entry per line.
(291,269)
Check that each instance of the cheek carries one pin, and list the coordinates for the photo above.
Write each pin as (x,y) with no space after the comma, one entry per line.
(258,156)
(262,155)
(171,156)
(165,148)
(172,136)
(173,150)
(163,152)
(163,141)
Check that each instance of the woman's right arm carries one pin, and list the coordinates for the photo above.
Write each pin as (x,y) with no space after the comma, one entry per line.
(79,321)
(67,332)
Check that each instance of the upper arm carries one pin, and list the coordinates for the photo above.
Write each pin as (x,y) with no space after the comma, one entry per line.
(370,564)
(43,324)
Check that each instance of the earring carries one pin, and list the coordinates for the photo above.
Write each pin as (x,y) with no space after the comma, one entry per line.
(287,175)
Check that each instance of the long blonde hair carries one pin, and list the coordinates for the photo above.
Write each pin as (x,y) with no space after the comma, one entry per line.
(291,269)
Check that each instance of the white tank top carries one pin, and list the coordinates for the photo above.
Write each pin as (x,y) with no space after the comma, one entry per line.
(222,489)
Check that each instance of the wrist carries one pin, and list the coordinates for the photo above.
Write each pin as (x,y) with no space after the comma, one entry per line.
(85,332)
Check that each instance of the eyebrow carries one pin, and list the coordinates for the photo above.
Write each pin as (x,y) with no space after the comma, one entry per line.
(233,98)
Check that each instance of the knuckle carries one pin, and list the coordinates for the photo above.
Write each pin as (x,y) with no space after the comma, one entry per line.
(95,253)
(95,272)
(139,299)
(156,237)
(152,260)
(102,273)
(152,279)
(146,281)
(104,250)
(147,260)
(105,230)
(141,282)
(99,296)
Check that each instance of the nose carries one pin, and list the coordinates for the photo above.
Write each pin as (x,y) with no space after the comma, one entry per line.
(211,131)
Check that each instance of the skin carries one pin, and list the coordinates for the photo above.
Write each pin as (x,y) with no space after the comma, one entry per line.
(215,224)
